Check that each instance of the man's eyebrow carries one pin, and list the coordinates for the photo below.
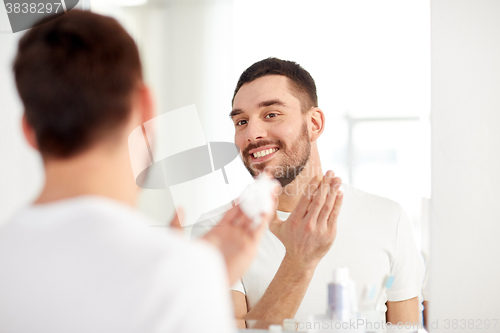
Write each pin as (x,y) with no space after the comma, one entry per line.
(263,104)
(271,102)
(235,112)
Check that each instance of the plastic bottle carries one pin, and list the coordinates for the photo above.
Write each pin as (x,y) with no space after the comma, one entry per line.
(339,297)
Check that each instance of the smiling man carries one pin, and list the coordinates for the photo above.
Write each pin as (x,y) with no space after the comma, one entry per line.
(277,123)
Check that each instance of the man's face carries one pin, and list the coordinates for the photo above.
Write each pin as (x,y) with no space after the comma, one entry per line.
(270,129)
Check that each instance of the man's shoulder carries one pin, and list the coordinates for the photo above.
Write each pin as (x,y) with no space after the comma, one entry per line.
(117,232)
(353,193)
(96,221)
(363,204)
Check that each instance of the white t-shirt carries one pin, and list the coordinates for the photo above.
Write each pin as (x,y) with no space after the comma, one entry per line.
(374,239)
(90,264)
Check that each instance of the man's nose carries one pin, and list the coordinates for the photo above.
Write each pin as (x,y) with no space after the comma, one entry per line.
(255,131)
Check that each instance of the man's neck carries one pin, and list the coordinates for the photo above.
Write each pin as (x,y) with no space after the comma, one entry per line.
(101,171)
(291,194)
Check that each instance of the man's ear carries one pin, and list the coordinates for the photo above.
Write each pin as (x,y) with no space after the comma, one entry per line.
(146,102)
(317,118)
(29,133)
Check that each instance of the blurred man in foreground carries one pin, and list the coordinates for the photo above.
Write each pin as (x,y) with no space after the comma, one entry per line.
(80,258)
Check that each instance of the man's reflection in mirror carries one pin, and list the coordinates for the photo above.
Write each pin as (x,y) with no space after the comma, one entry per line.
(320,224)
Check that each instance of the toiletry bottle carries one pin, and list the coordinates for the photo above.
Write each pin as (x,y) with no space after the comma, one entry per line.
(339,296)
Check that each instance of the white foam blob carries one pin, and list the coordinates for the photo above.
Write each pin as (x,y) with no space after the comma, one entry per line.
(257,198)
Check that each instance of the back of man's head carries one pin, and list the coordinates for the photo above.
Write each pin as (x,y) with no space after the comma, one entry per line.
(76,76)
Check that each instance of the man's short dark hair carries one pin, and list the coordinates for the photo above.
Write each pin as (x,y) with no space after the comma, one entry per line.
(301,82)
(76,75)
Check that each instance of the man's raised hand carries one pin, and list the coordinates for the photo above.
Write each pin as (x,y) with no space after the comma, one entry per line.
(311,228)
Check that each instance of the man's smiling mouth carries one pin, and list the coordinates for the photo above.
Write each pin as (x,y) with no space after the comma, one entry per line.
(263,155)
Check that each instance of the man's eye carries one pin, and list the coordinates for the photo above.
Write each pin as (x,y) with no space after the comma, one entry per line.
(271,115)
(241,122)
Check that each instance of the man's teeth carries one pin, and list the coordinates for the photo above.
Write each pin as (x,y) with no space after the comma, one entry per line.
(263,153)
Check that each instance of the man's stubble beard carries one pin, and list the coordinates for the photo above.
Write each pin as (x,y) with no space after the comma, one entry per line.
(293,162)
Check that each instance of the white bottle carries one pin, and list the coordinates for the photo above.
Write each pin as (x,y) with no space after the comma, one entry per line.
(339,298)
